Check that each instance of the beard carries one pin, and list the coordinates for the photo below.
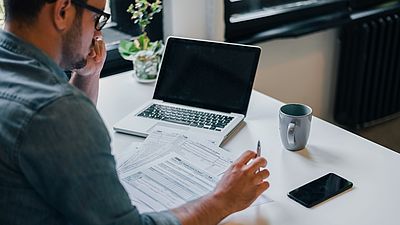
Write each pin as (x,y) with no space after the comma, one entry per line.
(71,44)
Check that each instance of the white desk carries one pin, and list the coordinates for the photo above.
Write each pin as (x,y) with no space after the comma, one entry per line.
(374,170)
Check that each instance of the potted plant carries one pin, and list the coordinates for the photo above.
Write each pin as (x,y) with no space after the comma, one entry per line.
(144,54)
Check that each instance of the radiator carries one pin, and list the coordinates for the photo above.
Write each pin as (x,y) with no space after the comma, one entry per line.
(368,82)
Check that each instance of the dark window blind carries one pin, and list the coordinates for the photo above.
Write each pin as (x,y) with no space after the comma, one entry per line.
(244,18)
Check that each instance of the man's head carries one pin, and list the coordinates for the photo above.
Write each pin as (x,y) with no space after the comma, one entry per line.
(24,11)
(73,59)
(64,29)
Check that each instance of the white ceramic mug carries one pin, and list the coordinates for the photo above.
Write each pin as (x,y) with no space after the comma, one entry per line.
(294,125)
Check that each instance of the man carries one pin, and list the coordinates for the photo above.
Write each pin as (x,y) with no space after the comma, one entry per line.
(56,165)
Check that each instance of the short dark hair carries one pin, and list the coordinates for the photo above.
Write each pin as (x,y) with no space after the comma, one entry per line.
(24,10)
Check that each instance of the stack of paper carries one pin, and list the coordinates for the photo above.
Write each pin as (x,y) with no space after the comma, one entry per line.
(169,169)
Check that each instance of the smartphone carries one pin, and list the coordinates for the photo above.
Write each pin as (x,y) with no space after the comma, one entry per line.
(320,190)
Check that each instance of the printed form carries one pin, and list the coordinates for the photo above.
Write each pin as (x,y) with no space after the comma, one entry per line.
(169,169)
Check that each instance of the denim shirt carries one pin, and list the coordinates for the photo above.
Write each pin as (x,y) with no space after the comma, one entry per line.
(56,165)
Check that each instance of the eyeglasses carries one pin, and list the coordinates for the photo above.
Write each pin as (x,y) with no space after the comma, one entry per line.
(103,16)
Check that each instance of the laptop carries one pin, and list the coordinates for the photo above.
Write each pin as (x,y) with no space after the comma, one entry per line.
(202,87)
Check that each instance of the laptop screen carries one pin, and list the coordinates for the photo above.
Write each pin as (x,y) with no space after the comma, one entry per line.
(211,75)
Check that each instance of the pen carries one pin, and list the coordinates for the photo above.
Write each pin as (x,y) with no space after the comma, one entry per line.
(258,148)
(258,152)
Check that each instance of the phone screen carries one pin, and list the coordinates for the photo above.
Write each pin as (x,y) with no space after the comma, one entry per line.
(320,189)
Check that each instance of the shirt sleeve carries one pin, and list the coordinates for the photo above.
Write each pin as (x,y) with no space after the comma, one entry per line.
(65,155)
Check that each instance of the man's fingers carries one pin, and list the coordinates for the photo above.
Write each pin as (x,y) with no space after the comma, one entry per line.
(262,187)
(256,164)
(102,49)
(245,157)
(99,50)
(261,176)
(97,46)
(92,53)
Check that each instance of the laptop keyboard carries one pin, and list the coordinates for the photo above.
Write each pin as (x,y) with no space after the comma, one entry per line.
(188,117)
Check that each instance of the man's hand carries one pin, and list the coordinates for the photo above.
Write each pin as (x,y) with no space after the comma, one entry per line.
(95,59)
(242,183)
(87,78)
(240,186)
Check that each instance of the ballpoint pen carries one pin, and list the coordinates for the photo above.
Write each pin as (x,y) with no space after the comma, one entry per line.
(258,148)
(258,152)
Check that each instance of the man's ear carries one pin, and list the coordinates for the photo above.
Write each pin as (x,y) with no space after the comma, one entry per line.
(63,14)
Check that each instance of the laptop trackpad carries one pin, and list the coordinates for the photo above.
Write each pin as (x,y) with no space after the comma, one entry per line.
(161,124)
(216,139)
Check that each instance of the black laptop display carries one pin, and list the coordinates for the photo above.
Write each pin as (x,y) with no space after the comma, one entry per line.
(208,75)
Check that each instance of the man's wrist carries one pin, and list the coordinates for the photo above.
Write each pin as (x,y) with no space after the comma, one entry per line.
(78,75)
(87,84)
(208,209)
(219,204)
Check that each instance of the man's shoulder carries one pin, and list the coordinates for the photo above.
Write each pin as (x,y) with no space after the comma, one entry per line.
(28,95)
(28,76)
(34,88)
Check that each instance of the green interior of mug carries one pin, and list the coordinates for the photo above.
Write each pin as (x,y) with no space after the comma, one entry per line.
(296,109)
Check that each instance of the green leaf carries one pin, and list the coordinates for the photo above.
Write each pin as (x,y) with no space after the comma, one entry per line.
(127,49)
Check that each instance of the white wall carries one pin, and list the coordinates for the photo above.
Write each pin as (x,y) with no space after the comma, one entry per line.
(194,18)
(301,70)
(291,70)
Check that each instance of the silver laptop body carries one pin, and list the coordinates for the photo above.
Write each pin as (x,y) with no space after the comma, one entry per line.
(203,86)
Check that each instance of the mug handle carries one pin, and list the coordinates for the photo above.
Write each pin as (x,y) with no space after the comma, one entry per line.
(290,133)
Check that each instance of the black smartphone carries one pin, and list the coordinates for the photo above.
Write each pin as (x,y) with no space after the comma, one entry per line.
(320,190)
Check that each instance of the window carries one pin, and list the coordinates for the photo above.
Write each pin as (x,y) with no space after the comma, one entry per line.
(107,8)
(1,14)
(250,21)
(122,27)
(245,18)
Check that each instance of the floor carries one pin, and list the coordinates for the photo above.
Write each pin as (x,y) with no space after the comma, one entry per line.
(386,134)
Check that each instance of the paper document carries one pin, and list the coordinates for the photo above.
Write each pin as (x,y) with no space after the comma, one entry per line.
(170,169)
(215,139)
